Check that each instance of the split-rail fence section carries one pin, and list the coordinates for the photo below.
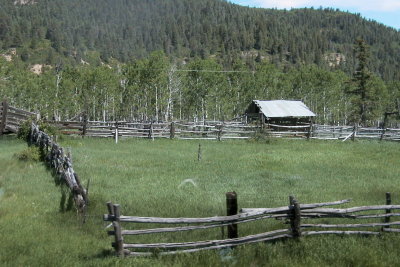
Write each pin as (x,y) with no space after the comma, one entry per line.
(11,119)
(296,215)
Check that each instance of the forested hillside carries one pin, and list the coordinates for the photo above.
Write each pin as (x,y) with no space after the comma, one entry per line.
(124,30)
(193,59)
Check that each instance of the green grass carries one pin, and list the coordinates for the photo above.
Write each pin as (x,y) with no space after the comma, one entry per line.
(146,179)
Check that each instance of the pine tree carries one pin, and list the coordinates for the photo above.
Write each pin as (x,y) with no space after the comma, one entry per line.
(361,77)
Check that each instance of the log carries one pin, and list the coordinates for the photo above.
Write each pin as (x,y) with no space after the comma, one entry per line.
(333,215)
(196,227)
(11,128)
(197,138)
(199,132)
(233,241)
(221,219)
(352,210)
(21,111)
(284,236)
(289,127)
(348,225)
(347,137)
(340,233)
(235,137)
(302,206)
(391,230)
(17,116)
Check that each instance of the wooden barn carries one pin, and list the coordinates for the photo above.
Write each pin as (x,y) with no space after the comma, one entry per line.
(279,112)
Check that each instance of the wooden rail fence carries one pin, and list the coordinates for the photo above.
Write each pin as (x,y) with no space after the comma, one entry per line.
(295,213)
(62,164)
(11,118)
(222,130)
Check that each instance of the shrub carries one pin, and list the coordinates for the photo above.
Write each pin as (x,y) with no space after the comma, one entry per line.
(261,135)
(25,129)
(30,154)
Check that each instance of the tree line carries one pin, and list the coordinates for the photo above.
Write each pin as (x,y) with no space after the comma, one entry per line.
(158,88)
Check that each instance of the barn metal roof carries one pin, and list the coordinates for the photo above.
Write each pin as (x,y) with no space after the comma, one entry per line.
(283,108)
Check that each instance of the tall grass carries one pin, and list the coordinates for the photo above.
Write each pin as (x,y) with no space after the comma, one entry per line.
(164,178)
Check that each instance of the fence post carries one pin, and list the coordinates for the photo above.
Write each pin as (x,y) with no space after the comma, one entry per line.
(261,115)
(384,126)
(388,202)
(232,209)
(110,208)
(172,131)
(219,133)
(116,132)
(295,217)
(354,132)
(119,241)
(199,153)
(84,125)
(310,130)
(151,131)
(3,121)
(69,154)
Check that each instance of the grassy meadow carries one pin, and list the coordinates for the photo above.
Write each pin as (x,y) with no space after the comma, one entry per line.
(164,178)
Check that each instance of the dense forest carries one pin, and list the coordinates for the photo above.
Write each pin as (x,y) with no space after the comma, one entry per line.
(191,59)
(123,30)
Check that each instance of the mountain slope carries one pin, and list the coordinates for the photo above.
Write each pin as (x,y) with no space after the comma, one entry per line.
(124,29)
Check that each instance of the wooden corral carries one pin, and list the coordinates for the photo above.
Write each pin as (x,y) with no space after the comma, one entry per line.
(11,118)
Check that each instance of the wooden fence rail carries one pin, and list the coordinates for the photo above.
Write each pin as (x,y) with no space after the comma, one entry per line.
(11,118)
(62,164)
(222,130)
(295,213)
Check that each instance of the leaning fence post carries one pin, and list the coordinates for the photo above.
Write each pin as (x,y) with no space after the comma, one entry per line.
(295,217)
(3,121)
(232,209)
(119,241)
(388,202)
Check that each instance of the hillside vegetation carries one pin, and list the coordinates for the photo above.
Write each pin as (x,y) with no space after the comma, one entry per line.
(188,28)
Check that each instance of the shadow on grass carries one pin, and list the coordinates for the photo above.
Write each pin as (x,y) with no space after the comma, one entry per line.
(103,254)
(66,198)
